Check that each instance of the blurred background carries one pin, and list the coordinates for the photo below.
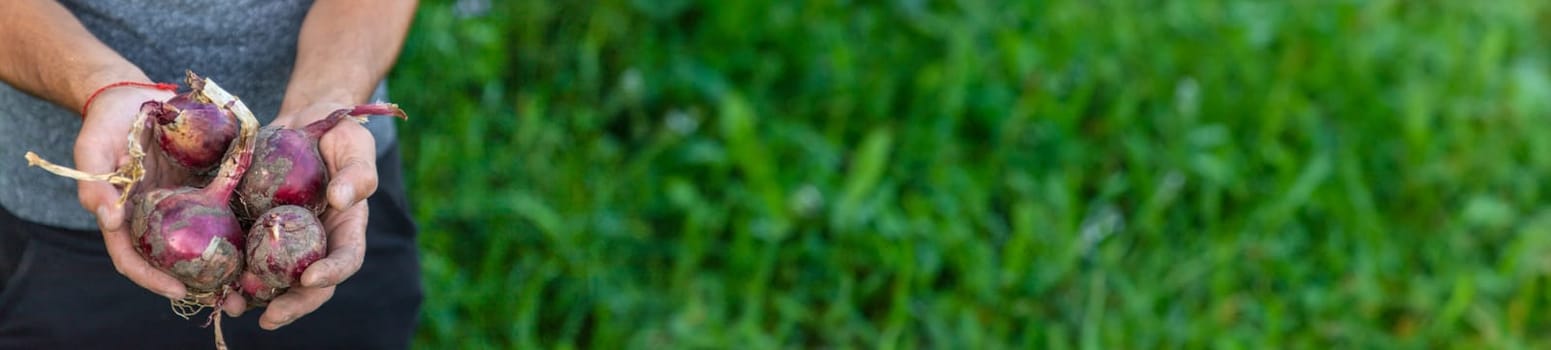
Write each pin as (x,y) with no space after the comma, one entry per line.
(981,174)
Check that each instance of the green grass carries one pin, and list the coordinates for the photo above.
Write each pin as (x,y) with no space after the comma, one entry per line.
(982,174)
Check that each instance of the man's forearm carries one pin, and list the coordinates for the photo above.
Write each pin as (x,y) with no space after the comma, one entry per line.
(49,54)
(345,48)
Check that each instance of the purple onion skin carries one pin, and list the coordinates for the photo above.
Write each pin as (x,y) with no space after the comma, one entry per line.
(193,133)
(192,236)
(192,233)
(287,168)
(283,243)
(288,171)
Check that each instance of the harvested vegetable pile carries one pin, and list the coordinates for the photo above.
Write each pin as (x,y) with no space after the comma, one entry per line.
(258,244)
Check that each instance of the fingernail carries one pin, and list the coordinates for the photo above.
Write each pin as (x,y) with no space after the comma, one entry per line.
(346,195)
(102,212)
(276,325)
(237,313)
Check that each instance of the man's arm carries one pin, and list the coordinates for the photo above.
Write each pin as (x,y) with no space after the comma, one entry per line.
(345,48)
(49,54)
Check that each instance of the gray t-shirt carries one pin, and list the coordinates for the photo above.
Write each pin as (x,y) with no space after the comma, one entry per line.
(248,46)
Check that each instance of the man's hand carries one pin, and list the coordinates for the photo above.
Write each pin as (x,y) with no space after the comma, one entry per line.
(342,53)
(351,155)
(101,147)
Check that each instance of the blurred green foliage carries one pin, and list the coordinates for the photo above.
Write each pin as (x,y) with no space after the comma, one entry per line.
(981,174)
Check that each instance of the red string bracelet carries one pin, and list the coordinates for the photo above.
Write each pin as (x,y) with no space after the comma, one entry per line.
(158,86)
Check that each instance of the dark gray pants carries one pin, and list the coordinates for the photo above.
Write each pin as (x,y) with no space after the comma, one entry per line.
(61,291)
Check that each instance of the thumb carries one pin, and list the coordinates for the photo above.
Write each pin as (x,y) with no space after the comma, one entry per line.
(110,217)
(102,200)
(351,154)
(100,197)
(352,184)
